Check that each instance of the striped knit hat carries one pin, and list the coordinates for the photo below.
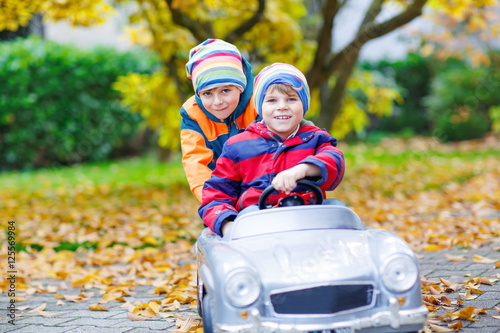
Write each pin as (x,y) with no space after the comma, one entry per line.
(215,63)
(280,73)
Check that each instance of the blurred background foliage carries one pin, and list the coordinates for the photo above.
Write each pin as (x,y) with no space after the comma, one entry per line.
(60,105)
(57,105)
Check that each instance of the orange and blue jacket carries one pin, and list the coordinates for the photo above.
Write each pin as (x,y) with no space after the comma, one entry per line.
(250,161)
(203,134)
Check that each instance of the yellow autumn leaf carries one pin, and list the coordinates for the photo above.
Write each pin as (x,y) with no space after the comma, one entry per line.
(107,297)
(148,313)
(456,326)
(467,313)
(483,260)
(81,282)
(469,296)
(97,307)
(155,307)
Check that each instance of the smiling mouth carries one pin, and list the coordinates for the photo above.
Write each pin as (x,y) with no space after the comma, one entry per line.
(282,117)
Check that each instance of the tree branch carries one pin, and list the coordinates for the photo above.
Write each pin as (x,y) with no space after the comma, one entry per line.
(368,32)
(371,13)
(324,42)
(172,69)
(200,31)
(248,24)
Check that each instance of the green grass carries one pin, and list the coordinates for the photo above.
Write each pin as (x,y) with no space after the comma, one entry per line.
(374,154)
(142,171)
(148,171)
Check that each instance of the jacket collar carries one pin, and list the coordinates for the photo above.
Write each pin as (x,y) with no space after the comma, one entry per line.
(245,98)
(302,134)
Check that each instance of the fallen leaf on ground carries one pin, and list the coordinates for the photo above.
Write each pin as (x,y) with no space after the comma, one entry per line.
(134,317)
(456,326)
(484,280)
(455,258)
(483,260)
(48,314)
(39,308)
(437,328)
(97,307)
(467,313)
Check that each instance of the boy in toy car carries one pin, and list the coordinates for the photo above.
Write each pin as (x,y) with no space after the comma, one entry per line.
(279,150)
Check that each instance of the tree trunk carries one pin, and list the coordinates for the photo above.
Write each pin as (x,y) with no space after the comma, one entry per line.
(35,26)
(164,155)
(331,99)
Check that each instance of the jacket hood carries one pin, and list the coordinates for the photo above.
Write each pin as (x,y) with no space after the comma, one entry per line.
(245,97)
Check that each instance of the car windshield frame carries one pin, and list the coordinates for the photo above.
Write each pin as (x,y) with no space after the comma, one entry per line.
(297,218)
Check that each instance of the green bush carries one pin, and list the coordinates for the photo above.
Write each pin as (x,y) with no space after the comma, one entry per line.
(459,102)
(57,105)
(413,75)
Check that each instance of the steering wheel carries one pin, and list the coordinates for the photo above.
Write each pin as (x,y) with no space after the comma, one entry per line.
(294,198)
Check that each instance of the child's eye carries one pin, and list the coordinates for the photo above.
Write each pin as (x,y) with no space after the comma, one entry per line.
(226,90)
(270,100)
(206,93)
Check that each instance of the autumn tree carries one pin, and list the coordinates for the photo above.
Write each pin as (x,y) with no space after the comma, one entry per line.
(294,31)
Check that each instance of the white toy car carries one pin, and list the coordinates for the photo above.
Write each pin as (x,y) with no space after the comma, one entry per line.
(308,268)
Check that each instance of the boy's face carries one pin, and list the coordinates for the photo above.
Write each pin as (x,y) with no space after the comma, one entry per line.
(221,101)
(282,112)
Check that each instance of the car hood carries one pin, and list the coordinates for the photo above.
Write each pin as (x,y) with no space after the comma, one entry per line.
(309,257)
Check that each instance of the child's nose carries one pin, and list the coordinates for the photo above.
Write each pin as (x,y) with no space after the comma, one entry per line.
(217,99)
(282,105)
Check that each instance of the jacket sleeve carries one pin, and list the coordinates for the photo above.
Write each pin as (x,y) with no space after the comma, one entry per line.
(329,159)
(195,155)
(221,192)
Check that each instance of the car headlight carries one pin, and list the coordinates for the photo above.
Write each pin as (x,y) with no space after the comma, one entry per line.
(242,288)
(399,273)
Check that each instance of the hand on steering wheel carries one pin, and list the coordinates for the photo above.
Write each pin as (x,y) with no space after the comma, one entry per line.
(294,198)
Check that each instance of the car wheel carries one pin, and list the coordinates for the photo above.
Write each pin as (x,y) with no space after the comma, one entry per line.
(200,293)
(207,316)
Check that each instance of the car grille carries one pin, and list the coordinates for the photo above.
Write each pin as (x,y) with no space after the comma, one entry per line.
(323,299)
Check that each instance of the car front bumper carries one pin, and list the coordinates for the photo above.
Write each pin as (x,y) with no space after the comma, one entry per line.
(393,318)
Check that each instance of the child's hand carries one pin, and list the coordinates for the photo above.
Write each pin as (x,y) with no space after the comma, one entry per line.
(286,180)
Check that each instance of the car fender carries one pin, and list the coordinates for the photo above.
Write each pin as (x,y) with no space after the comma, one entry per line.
(217,259)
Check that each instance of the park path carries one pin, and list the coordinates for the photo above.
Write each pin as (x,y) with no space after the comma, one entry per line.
(76,317)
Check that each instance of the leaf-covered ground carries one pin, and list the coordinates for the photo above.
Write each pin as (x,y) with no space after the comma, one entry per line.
(136,223)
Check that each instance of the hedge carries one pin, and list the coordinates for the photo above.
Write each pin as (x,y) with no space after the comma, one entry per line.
(413,75)
(57,106)
(459,101)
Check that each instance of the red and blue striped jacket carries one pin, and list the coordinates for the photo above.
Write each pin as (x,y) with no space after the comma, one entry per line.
(250,160)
